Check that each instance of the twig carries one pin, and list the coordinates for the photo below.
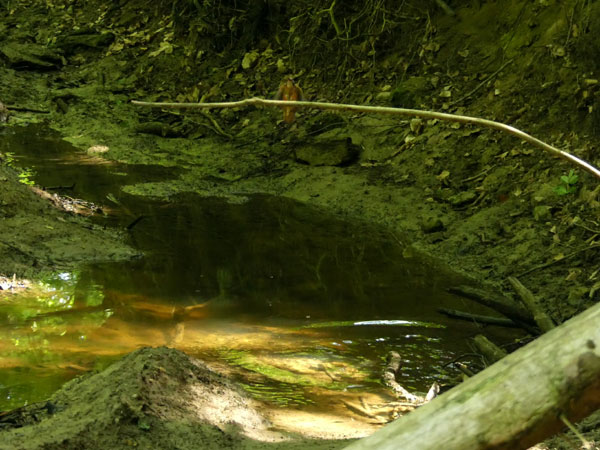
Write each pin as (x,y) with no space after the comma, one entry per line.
(503,305)
(465,370)
(480,174)
(542,319)
(134,223)
(62,188)
(394,363)
(480,85)
(478,318)
(551,263)
(217,127)
(591,230)
(586,444)
(385,110)
(442,4)
(329,10)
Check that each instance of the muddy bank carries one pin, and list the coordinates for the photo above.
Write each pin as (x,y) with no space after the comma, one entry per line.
(486,204)
(38,237)
(152,398)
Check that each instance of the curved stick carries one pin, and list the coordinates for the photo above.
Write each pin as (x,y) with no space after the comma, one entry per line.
(387,110)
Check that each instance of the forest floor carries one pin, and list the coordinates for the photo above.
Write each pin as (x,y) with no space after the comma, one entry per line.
(485,203)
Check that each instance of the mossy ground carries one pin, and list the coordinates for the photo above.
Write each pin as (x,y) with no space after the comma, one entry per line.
(483,202)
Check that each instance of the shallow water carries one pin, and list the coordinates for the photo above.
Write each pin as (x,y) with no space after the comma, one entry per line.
(298,306)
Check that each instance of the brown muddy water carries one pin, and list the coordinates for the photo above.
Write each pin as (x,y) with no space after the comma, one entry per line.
(297,306)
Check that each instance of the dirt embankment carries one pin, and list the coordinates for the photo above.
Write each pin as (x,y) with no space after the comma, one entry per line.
(151,399)
(36,236)
(484,202)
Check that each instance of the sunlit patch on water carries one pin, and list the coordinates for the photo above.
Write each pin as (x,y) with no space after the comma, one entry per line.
(397,323)
(300,308)
(70,325)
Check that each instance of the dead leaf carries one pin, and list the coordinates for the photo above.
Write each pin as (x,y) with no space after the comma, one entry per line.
(443,175)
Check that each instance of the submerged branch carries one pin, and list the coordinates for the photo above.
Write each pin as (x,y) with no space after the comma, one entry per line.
(386,110)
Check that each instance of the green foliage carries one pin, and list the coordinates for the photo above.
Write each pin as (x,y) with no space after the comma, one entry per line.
(8,158)
(25,177)
(567,184)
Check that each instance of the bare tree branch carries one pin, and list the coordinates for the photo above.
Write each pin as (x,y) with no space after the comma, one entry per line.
(386,110)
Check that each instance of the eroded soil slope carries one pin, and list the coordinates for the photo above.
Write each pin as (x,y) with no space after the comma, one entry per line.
(486,203)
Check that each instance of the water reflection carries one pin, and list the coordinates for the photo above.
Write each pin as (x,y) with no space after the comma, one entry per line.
(298,306)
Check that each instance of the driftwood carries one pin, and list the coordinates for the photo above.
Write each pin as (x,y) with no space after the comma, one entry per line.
(406,402)
(255,101)
(488,349)
(503,305)
(391,372)
(392,368)
(478,318)
(542,319)
(68,204)
(513,404)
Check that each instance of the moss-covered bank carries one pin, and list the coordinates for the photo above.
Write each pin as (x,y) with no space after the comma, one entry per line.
(483,202)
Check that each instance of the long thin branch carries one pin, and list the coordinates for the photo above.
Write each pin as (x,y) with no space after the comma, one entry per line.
(387,110)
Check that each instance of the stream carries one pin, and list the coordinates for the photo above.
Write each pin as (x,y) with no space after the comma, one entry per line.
(296,305)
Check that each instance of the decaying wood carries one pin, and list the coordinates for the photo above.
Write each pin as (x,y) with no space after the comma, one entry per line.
(503,305)
(542,319)
(392,370)
(433,392)
(68,204)
(478,318)
(255,101)
(394,363)
(488,349)
(513,404)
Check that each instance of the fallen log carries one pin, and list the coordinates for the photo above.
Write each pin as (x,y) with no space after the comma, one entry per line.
(478,318)
(513,404)
(488,349)
(542,319)
(391,370)
(503,305)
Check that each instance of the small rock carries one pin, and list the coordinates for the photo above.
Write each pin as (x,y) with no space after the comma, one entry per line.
(336,152)
(94,149)
(432,225)
(383,96)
